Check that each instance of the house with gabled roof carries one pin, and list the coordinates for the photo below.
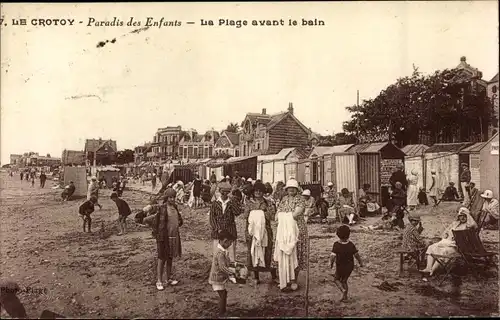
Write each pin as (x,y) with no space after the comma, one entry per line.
(197,146)
(104,151)
(227,144)
(263,133)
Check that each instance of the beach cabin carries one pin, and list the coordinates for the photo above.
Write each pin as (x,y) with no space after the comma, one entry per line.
(281,166)
(488,156)
(414,160)
(376,163)
(471,156)
(445,158)
(108,173)
(322,163)
(245,166)
(346,171)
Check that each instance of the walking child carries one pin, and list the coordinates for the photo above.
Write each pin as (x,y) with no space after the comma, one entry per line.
(168,241)
(123,212)
(85,210)
(343,254)
(221,271)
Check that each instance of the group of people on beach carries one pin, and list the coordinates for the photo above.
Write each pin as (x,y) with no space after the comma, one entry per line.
(282,251)
(275,235)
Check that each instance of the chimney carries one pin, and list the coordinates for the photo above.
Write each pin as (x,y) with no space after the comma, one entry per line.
(290,107)
(463,59)
(264,111)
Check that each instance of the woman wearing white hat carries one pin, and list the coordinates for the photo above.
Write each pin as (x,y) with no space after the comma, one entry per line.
(310,204)
(291,254)
(447,246)
(412,195)
(489,210)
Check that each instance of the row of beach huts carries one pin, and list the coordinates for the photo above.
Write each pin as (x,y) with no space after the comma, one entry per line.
(350,166)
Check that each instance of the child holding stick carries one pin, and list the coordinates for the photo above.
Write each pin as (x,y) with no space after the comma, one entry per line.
(343,254)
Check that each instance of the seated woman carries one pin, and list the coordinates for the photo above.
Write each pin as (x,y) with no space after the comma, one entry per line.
(345,207)
(447,246)
(412,239)
(367,205)
(489,212)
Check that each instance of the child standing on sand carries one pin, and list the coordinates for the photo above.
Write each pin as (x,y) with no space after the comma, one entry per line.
(85,210)
(343,254)
(220,271)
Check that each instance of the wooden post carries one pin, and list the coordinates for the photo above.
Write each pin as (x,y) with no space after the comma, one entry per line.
(307,278)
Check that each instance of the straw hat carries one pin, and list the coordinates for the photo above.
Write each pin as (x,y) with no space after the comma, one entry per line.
(249,180)
(330,184)
(225,186)
(306,192)
(414,172)
(433,171)
(487,194)
(292,183)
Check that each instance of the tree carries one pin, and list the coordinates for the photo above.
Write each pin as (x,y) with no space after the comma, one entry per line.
(446,106)
(233,127)
(125,156)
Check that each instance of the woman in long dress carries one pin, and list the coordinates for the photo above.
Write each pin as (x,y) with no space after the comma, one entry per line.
(291,204)
(168,241)
(257,201)
(447,246)
(412,195)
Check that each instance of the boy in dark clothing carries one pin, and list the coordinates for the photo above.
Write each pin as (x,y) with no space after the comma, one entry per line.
(123,212)
(450,193)
(43,178)
(86,209)
(343,254)
(205,193)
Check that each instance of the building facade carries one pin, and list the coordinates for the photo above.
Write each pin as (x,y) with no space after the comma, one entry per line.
(43,161)
(197,146)
(268,134)
(15,159)
(73,158)
(165,143)
(227,145)
(143,153)
(104,151)
(492,92)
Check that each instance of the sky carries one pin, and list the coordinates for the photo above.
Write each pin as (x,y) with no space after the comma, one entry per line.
(58,89)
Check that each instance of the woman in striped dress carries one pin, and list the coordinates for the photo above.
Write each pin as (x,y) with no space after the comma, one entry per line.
(293,202)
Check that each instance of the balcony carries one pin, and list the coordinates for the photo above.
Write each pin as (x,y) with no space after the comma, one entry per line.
(248,137)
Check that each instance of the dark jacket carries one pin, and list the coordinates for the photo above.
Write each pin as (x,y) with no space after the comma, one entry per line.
(398,176)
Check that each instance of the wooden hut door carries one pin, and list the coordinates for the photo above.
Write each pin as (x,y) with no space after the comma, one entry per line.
(314,177)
